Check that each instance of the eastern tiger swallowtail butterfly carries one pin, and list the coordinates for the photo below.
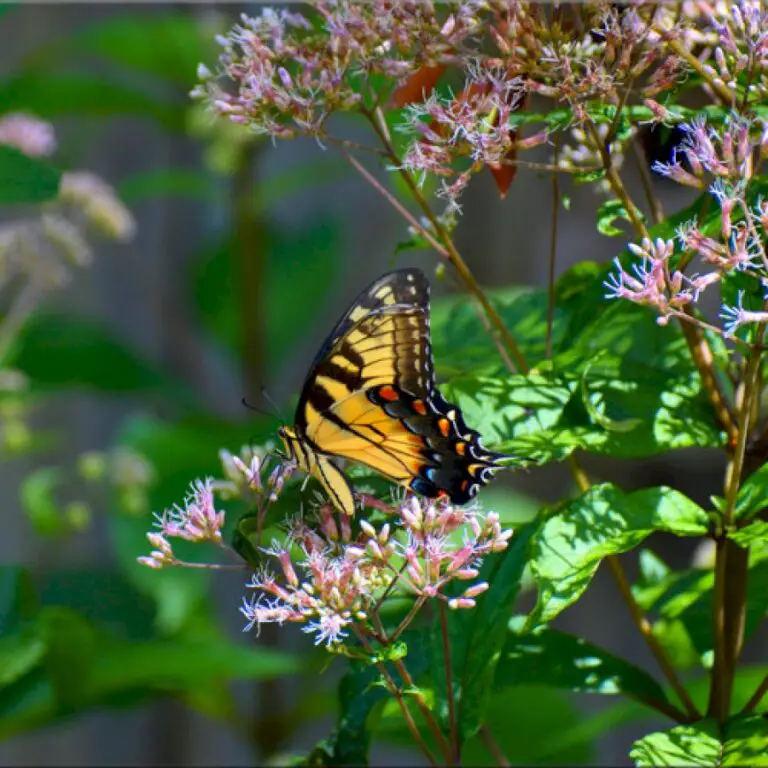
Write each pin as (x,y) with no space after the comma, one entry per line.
(370,397)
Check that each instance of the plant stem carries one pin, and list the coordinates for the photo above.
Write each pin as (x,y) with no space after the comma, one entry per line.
(24,303)
(453,723)
(756,697)
(425,711)
(646,630)
(418,696)
(701,354)
(451,253)
(657,211)
(731,563)
(403,625)
(552,253)
(493,747)
(447,249)
(725,95)
(398,695)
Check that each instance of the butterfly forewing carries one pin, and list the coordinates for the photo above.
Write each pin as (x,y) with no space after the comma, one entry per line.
(370,396)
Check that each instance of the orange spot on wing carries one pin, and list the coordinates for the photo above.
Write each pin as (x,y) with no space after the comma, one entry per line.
(444,425)
(442,494)
(461,448)
(388,393)
(464,485)
(420,407)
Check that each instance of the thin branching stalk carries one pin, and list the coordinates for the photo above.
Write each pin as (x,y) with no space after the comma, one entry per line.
(418,604)
(701,354)
(552,253)
(452,253)
(580,476)
(654,203)
(646,630)
(394,689)
(24,303)
(723,93)
(452,720)
(756,697)
(493,747)
(417,695)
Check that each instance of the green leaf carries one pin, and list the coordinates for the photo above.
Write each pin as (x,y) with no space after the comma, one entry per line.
(37,496)
(685,745)
(476,637)
(560,660)
(181,664)
(56,351)
(539,418)
(25,179)
(683,601)
(607,213)
(20,653)
(71,645)
(753,494)
(169,45)
(360,695)
(523,415)
(571,542)
(753,535)
(51,93)
(744,742)
(462,345)
(177,592)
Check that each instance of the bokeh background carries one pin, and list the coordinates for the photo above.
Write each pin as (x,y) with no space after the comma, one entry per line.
(244,254)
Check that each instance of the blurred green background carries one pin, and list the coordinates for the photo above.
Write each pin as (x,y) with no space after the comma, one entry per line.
(242,258)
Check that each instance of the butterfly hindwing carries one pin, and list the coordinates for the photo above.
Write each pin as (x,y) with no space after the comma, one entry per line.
(370,397)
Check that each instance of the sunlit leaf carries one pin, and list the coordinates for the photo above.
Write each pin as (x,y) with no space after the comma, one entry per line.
(685,745)
(572,540)
(753,494)
(753,535)
(743,743)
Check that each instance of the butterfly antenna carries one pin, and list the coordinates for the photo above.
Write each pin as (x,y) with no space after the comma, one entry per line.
(256,408)
(277,411)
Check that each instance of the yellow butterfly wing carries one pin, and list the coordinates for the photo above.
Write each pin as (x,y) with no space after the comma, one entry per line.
(370,397)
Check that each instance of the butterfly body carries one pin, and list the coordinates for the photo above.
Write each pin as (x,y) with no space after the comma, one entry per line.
(370,397)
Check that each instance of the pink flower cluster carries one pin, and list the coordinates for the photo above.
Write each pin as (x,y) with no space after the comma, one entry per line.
(720,157)
(332,581)
(291,71)
(28,134)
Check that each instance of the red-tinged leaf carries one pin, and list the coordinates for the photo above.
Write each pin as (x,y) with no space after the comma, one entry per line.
(418,87)
(504,174)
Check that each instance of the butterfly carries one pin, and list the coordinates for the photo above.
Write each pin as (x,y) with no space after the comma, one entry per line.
(370,397)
